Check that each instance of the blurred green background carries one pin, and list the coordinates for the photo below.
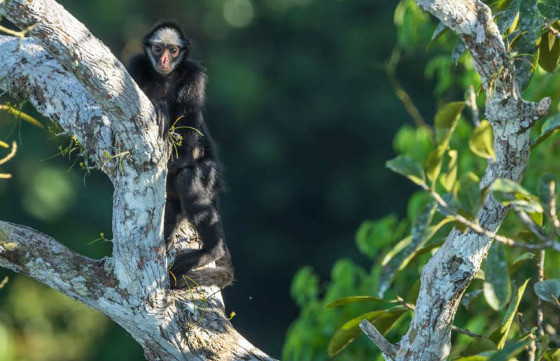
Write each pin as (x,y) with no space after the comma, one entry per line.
(300,105)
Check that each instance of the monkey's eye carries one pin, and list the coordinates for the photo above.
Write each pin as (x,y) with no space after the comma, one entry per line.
(157,49)
(174,51)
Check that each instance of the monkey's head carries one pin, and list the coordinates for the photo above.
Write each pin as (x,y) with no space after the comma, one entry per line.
(166,47)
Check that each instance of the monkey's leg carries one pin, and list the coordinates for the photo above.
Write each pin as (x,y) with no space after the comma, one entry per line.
(198,206)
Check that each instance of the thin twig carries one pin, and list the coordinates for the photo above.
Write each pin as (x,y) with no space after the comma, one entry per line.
(555,302)
(552,209)
(554,31)
(476,228)
(378,339)
(465,332)
(11,154)
(532,349)
(19,34)
(471,102)
(18,114)
(533,227)
(402,302)
(540,278)
(390,69)
(4,282)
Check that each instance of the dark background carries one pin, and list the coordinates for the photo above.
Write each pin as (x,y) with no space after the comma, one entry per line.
(304,116)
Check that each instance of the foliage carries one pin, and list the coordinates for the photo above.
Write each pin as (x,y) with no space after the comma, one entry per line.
(447,161)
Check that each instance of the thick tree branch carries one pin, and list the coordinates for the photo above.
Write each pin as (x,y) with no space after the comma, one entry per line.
(37,255)
(448,273)
(27,71)
(93,98)
(93,64)
(140,188)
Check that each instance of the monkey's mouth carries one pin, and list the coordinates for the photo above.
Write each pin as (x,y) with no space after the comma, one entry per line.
(164,69)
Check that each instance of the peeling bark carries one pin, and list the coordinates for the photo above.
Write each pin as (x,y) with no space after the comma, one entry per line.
(72,78)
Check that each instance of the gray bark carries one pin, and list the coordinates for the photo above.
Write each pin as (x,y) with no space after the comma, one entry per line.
(72,78)
(448,273)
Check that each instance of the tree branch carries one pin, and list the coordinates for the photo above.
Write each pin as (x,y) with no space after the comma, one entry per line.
(94,99)
(548,243)
(446,276)
(93,64)
(138,265)
(388,349)
(37,255)
(27,71)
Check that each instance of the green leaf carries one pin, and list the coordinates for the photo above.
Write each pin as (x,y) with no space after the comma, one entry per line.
(431,244)
(440,30)
(305,286)
(374,235)
(497,285)
(548,288)
(530,23)
(472,358)
(538,218)
(434,162)
(414,142)
(550,9)
(508,16)
(446,120)
(552,355)
(499,336)
(481,141)
(401,255)
(405,166)
(357,299)
(546,189)
(468,297)
(519,261)
(549,51)
(450,178)
(382,320)
(468,194)
(478,346)
(458,51)
(422,222)
(543,343)
(509,351)
(508,192)
(550,126)
(414,291)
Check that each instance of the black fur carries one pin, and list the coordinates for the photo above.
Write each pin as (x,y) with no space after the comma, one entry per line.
(194,177)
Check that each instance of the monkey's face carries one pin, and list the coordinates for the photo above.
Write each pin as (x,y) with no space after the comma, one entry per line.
(165,57)
(166,47)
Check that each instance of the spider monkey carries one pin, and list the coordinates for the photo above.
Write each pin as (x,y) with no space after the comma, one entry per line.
(176,86)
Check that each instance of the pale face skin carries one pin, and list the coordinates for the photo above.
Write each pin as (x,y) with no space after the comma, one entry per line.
(165,57)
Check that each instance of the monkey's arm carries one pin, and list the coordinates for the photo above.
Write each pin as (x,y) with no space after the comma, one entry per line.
(189,122)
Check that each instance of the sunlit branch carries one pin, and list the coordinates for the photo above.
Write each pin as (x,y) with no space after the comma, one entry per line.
(476,228)
(378,339)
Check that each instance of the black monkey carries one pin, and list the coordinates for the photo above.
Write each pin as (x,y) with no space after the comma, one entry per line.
(176,86)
